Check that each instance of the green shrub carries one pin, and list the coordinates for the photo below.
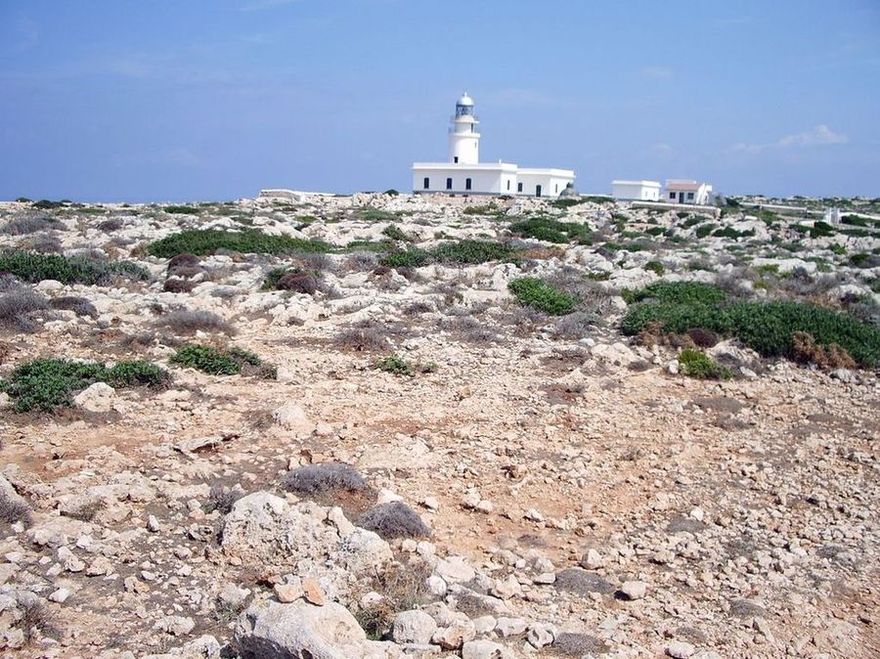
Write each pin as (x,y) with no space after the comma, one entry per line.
(697,364)
(538,294)
(553,231)
(216,361)
(840,250)
(821,229)
(677,292)
(46,384)
(45,204)
(246,241)
(488,209)
(655,231)
(766,327)
(407,258)
(34,267)
(181,210)
(376,215)
(471,252)
(460,251)
(705,229)
(394,232)
(730,232)
(656,267)
(395,365)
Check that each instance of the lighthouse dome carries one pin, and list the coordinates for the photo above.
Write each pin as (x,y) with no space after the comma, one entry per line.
(465,100)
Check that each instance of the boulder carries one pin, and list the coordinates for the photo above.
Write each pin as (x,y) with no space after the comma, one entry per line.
(270,630)
(98,397)
(413,627)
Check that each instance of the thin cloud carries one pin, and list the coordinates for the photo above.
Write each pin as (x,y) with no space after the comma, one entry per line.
(821,135)
(657,72)
(260,5)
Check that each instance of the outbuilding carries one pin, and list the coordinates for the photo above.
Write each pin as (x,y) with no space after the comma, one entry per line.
(636,190)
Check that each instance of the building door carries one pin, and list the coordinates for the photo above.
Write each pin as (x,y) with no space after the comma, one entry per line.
(467,184)
(681,197)
(537,190)
(449,184)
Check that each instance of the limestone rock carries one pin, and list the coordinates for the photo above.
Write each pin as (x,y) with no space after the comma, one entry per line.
(98,397)
(270,630)
(413,627)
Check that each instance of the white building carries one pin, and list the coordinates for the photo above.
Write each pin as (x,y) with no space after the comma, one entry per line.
(687,191)
(463,173)
(636,190)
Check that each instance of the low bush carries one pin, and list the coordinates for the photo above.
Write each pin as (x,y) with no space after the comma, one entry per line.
(471,252)
(290,279)
(656,267)
(365,338)
(186,321)
(678,292)
(554,231)
(34,267)
(14,508)
(79,305)
(181,210)
(376,215)
(184,265)
(44,244)
(248,241)
(315,479)
(110,225)
(408,258)
(177,285)
(20,310)
(28,224)
(394,232)
(730,232)
(395,365)
(394,520)
(766,327)
(535,293)
(46,204)
(805,349)
(697,364)
(221,498)
(218,361)
(46,384)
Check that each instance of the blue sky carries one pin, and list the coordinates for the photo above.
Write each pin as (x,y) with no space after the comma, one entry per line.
(112,100)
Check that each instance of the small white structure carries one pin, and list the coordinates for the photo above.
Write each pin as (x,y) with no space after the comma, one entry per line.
(687,191)
(636,190)
(465,174)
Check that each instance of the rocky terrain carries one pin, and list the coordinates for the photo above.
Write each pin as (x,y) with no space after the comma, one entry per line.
(388,425)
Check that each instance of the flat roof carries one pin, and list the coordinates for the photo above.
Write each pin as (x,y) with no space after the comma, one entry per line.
(653,184)
(552,171)
(463,167)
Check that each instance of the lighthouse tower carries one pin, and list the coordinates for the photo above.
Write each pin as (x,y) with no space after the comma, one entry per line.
(464,140)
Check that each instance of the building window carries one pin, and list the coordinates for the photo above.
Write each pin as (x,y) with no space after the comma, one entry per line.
(555,188)
(455,159)
(519,187)
(449,184)
(690,195)
(467,184)
(426,184)
(508,184)
(672,195)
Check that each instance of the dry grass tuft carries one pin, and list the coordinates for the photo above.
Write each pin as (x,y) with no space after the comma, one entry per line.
(806,350)
(187,321)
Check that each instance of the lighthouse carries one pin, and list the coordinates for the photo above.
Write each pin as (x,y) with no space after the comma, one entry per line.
(464,140)
(463,173)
